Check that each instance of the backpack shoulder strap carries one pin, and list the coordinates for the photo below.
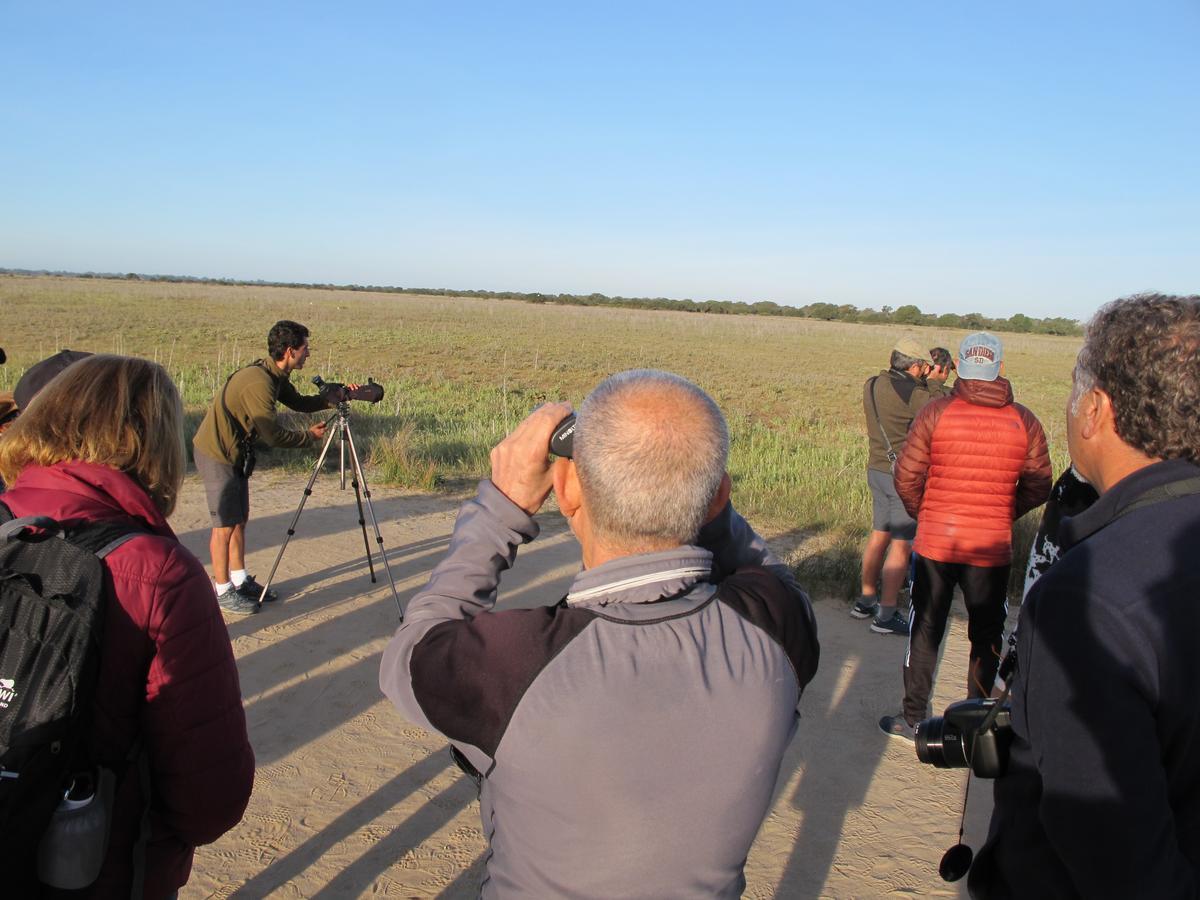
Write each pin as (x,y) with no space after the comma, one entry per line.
(102,538)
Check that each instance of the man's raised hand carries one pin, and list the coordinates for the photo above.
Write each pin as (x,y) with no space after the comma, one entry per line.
(521,462)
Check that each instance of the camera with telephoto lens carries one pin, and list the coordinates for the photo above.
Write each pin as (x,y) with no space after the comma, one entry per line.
(333,392)
(975,733)
(942,359)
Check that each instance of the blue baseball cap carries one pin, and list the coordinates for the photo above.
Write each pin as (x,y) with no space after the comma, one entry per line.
(979,356)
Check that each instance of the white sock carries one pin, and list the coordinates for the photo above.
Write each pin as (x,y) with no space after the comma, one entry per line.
(222,588)
(238,576)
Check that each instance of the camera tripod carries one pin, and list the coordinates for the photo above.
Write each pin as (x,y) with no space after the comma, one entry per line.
(345,437)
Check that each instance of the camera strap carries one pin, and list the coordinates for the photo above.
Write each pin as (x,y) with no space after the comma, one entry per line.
(1170,491)
(245,441)
(891,454)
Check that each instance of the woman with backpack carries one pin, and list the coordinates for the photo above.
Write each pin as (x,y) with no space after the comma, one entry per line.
(103,443)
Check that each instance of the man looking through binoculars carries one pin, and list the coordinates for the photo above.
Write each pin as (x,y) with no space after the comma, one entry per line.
(626,739)
(242,414)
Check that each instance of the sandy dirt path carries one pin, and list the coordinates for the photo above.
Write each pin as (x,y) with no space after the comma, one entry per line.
(350,800)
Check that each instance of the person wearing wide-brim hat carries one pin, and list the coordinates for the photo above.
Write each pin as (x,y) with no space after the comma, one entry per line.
(891,400)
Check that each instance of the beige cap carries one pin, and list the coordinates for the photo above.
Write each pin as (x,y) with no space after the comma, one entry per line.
(909,347)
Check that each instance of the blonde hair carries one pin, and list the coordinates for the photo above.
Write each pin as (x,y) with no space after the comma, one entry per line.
(117,411)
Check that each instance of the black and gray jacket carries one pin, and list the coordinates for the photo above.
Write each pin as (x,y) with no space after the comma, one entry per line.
(631,734)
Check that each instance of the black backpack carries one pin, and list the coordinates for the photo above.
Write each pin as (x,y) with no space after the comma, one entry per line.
(52,602)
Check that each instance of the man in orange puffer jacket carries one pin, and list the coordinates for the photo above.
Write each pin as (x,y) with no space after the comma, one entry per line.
(975,461)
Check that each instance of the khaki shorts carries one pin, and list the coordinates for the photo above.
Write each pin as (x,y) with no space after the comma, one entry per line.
(228,492)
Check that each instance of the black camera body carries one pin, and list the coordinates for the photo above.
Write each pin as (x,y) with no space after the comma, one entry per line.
(334,392)
(975,733)
(942,358)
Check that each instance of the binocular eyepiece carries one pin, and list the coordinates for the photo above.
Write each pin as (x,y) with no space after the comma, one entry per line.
(335,392)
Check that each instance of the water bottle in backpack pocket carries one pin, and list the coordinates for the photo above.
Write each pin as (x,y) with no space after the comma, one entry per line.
(74,844)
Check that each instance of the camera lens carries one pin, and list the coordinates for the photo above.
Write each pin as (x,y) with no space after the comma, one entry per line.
(939,744)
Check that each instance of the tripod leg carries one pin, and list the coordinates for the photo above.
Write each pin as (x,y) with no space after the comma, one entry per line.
(374,522)
(362,523)
(299,509)
(342,464)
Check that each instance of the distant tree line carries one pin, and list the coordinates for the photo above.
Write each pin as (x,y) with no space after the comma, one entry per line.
(885,315)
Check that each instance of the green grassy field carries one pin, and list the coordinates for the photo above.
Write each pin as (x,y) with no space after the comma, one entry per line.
(459,373)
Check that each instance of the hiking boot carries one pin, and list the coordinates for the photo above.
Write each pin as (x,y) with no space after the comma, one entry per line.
(896,726)
(893,624)
(233,601)
(864,607)
(252,589)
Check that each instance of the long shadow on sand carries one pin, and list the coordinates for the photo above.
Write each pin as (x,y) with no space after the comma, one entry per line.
(844,769)
(317,521)
(341,695)
(835,748)
(301,598)
(339,633)
(357,878)
(282,870)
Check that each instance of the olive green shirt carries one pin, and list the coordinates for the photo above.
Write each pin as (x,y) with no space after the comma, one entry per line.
(899,398)
(251,395)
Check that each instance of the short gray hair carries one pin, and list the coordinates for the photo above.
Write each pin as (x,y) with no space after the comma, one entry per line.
(902,362)
(650,449)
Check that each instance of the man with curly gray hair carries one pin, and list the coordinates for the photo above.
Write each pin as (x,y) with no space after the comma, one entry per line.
(1101,797)
(626,739)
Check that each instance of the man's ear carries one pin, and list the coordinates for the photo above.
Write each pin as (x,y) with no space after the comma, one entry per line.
(566,486)
(720,498)
(1096,412)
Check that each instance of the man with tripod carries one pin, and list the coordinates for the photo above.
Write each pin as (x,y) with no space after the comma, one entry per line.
(243,413)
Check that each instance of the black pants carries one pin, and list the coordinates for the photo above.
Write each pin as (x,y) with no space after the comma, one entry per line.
(985,590)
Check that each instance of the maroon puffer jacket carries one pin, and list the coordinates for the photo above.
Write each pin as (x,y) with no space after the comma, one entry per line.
(973,464)
(167,674)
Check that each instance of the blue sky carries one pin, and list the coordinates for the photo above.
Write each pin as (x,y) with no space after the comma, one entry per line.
(1022,157)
